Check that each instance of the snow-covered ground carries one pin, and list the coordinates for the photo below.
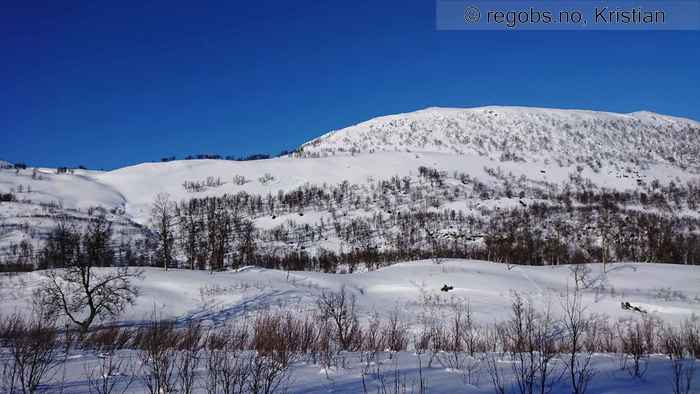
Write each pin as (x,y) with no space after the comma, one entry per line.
(382,376)
(671,292)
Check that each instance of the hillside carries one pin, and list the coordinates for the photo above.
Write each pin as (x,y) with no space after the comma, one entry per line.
(472,171)
(565,137)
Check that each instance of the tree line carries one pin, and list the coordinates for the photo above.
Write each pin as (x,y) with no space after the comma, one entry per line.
(401,219)
(213,156)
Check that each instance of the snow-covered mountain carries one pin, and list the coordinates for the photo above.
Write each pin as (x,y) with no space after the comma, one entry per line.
(486,158)
(524,134)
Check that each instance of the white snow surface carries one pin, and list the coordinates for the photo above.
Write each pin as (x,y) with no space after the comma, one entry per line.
(670,292)
(309,378)
(665,291)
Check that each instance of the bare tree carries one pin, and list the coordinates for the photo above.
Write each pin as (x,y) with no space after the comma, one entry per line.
(683,364)
(496,374)
(162,219)
(82,293)
(107,376)
(220,217)
(576,324)
(246,241)
(265,375)
(459,330)
(529,337)
(635,349)
(340,309)
(158,356)
(581,274)
(34,350)
(432,231)
(189,357)
(395,332)
(62,244)
(189,231)
(226,364)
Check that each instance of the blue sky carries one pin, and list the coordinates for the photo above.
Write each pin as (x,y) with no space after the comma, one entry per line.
(108,87)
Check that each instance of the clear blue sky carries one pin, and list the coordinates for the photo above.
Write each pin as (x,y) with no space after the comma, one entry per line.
(108,87)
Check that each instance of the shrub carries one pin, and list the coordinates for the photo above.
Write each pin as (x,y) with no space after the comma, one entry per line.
(340,309)
(7,197)
(33,348)
(266,179)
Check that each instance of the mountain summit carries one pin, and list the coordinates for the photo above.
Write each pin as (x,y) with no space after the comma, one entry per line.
(523,134)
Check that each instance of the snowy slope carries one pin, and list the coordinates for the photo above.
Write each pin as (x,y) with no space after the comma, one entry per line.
(556,145)
(140,184)
(42,194)
(75,191)
(530,134)
(667,291)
